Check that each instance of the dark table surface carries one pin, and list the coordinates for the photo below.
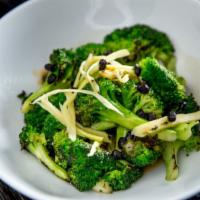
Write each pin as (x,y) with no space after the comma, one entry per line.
(6,192)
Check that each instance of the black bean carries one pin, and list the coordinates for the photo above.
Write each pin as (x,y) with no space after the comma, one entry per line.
(51,78)
(117,155)
(102,64)
(141,113)
(151,116)
(171,116)
(50,67)
(137,70)
(143,88)
(22,94)
(121,142)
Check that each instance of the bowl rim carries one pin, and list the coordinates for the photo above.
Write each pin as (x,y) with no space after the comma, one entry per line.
(20,185)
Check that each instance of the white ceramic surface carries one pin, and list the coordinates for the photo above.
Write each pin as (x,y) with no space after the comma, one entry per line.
(27,36)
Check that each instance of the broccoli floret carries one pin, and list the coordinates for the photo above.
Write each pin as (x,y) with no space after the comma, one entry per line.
(84,171)
(36,143)
(60,76)
(139,154)
(129,94)
(150,104)
(163,82)
(142,32)
(90,110)
(123,176)
(62,149)
(143,41)
(170,152)
(192,144)
(51,126)
(44,122)
(189,105)
(39,118)
(83,51)
(36,117)
(136,101)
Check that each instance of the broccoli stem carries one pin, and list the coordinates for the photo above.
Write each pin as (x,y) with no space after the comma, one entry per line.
(129,121)
(103,125)
(27,104)
(170,153)
(42,90)
(39,151)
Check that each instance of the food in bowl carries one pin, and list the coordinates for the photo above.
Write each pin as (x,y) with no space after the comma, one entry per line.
(104,112)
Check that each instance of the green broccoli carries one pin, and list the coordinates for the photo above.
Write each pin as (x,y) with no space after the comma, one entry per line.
(84,171)
(61,74)
(90,110)
(140,154)
(51,126)
(170,152)
(189,105)
(192,144)
(123,176)
(163,82)
(36,143)
(82,52)
(165,85)
(62,149)
(41,120)
(36,117)
(142,41)
(136,101)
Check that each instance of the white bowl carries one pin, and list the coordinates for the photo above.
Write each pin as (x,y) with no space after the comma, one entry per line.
(27,36)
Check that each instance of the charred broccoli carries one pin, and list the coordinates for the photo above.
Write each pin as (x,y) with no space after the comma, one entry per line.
(42,121)
(162,81)
(135,101)
(170,152)
(84,171)
(90,110)
(36,143)
(138,153)
(123,176)
(62,70)
(142,41)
